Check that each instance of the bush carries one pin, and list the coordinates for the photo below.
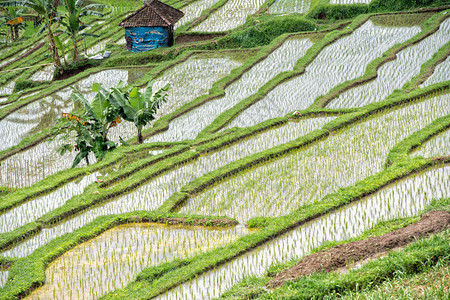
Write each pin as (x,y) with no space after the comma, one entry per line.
(28,84)
(338,12)
(262,33)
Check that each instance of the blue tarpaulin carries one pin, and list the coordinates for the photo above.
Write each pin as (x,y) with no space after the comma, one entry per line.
(146,38)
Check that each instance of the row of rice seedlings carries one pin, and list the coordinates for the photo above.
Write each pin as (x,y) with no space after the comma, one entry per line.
(343,60)
(153,194)
(33,118)
(46,74)
(282,59)
(349,1)
(3,277)
(12,58)
(8,88)
(436,146)
(32,165)
(290,6)
(441,73)
(194,10)
(231,15)
(393,75)
(42,114)
(279,187)
(188,80)
(113,259)
(32,210)
(99,47)
(402,199)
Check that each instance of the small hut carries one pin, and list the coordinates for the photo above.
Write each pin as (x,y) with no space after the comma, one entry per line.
(151,26)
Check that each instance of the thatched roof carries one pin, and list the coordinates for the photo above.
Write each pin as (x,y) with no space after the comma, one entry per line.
(153,13)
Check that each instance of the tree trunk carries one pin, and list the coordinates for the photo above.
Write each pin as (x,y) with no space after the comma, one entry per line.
(12,34)
(16,31)
(140,137)
(53,49)
(75,48)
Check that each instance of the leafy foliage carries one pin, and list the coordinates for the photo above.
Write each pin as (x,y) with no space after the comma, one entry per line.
(139,108)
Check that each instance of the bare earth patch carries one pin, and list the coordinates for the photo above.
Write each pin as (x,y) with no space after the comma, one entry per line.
(339,256)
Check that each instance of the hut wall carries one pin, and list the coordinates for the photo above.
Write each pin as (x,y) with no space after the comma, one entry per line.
(140,39)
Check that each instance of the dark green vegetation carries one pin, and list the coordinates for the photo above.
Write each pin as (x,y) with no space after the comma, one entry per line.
(129,167)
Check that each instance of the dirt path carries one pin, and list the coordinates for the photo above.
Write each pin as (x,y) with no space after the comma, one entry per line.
(339,256)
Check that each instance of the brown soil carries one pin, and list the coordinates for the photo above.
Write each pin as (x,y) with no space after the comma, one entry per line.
(190,38)
(339,256)
(70,73)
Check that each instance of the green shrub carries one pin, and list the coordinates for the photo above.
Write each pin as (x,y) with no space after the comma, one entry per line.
(28,84)
(262,33)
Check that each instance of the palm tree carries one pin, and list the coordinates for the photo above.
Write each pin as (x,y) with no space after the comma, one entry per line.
(44,9)
(72,22)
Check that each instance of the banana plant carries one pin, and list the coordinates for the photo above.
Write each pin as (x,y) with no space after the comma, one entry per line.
(139,108)
(91,125)
(44,9)
(71,20)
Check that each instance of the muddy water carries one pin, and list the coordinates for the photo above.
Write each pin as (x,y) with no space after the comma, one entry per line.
(405,198)
(151,195)
(343,60)
(279,187)
(113,259)
(190,124)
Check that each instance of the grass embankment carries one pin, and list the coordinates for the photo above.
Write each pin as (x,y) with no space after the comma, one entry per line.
(338,12)
(430,26)
(28,273)
(420,256)
(272,226)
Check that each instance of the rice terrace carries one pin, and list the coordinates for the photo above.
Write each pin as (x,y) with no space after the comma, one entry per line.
(224,149)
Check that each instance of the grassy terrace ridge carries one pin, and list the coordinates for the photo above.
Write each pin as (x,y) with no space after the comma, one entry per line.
(417,257)
(300,67)
(277,226)
(370,74)
(136,176)
(29,272)
(273,227)
(37,56)
(330,23)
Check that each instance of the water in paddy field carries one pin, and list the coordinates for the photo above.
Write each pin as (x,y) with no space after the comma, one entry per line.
(441,73)
(42,114)
(188,125)
(229,16)
(290,6)
(349,1)
(279,187)
(343,60)
(113,259)
(436,146)
(394,74)
(194,10)
(405,198)
(3,277)
(46,74)
(33,209)
(151,195)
